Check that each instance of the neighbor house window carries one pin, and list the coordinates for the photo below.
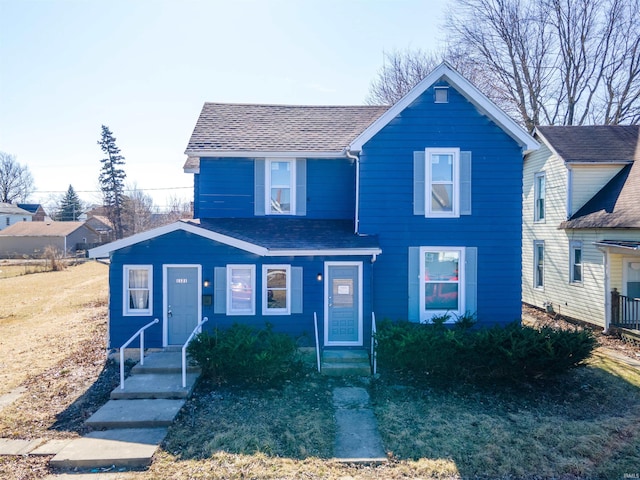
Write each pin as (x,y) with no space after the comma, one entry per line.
(575,252)
(539,196)
(138,289)
(241,287)
(280,191)
(538,264)
(442,285)
(442,182)
(276,287)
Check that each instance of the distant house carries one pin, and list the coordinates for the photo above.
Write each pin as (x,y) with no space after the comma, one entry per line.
(581,236)
(102,225)
(39,215)
(32,238)
(335,213)
(11,214)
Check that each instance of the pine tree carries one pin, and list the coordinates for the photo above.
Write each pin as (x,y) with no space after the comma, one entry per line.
(112,180)
(70,207)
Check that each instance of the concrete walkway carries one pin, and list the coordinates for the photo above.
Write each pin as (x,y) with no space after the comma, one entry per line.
(357,438)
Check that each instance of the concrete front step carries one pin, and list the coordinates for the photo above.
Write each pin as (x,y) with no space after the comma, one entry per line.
(346,369)
(155,385)
(141,413)
(163,362)
(345,356)
(130,448)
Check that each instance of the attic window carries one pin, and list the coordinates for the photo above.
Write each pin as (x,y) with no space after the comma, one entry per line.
(441,94)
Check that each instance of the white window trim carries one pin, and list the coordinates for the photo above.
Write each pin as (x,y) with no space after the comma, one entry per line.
(130,312)
(426,316)
(265,294)
(537,243)
(573,246)
(230,310)
(536,197)
(267,176)
(455,212)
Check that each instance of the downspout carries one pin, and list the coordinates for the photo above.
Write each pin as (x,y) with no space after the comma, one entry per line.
(356,158)
(607,289)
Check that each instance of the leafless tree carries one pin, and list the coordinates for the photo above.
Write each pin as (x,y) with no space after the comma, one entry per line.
(16,182)
(555,62)
(137,211)
(178,209)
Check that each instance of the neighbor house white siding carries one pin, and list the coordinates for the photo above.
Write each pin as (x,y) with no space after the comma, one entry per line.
(587,180)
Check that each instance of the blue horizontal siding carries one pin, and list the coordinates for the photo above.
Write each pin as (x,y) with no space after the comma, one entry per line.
(224,188)
(185,248)
(386,207)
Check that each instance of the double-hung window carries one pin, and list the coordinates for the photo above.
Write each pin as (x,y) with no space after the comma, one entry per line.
(539,187)
(442,182)
(575,261)
(538,264)
(138,289)
(241,287)
(442,285)
(276,286)
(281,183)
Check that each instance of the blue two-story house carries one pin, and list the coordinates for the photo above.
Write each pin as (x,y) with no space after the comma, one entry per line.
(337,212)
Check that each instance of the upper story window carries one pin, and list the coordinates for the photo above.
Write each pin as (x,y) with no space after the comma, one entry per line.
(280,183)
(575,261)
(441,94)
(138,289)
(442,182)
(539,181)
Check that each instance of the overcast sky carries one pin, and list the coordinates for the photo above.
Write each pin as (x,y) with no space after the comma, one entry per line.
(145,67)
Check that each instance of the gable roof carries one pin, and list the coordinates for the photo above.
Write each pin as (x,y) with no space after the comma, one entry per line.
(445,72)
(592,143)
(30,207)
(42,229)
(243,129)
(11,209)
(616,205)
(264,236)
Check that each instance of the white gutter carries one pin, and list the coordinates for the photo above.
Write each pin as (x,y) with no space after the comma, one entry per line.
(356,158)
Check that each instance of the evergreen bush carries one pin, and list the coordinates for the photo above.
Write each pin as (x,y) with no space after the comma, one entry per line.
(243,353)
(512,352)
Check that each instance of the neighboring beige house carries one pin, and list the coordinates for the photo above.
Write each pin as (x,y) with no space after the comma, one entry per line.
(11,214)
(32,238)
(581,224)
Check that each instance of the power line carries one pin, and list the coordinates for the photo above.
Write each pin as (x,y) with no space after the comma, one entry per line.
(126,190)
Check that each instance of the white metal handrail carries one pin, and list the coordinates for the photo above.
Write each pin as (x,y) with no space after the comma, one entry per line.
(184,351)
(374,343)
(141,333)
(315,324)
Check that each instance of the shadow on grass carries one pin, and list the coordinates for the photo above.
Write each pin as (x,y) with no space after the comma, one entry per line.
(583,424)
(73,417)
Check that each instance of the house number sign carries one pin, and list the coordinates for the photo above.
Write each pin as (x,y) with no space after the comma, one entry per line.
(181,280)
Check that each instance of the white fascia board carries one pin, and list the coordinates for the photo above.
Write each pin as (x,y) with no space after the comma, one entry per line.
(262,154)
(104,251)
(464,87)
(324,252)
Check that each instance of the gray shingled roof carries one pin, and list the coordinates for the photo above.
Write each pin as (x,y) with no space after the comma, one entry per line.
(41,229)
(597,143)
(11,209)
(224,127)
(291,233)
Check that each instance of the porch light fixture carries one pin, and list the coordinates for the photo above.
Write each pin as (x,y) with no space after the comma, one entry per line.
(206,283)
(319,277)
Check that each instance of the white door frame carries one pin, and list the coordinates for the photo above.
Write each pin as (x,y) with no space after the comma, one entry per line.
(357,343)
(165,297)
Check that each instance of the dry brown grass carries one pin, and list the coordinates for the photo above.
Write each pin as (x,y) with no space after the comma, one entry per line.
(46,316)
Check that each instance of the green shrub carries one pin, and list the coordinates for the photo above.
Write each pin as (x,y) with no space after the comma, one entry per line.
(244,353)
(513,352)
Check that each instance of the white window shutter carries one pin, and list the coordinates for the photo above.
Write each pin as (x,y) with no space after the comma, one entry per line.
(296,290)
(465,183)
(259,192)
(471,280)
(418,183)
(414,284)
(220,290)
(301,186)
